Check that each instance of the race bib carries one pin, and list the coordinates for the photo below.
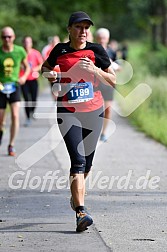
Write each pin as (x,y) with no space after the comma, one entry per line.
(80,92)
(9,87)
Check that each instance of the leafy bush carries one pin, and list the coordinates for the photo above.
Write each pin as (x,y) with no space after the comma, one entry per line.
(150,117)
(156,61)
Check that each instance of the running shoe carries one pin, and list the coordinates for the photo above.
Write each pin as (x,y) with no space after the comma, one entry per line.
(72,203)
(11,151)
(83,221)
(27,122)
(103,138)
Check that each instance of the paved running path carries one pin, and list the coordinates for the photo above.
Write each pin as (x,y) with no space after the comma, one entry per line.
(36,215)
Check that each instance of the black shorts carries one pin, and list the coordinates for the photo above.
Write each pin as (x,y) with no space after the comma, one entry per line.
(14,97)
(107,92)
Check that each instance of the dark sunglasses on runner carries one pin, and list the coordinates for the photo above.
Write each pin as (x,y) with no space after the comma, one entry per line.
(7,36)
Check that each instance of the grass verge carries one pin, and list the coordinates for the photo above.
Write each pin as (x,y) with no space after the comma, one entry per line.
(151,116)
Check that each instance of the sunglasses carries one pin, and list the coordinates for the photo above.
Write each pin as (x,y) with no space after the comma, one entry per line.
(7,36)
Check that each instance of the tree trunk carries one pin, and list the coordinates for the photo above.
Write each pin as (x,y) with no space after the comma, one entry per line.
(164,23)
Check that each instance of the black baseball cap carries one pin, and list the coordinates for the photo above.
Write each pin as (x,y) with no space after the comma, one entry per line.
(79,16)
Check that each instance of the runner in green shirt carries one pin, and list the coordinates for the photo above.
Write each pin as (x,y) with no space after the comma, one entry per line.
(11,58)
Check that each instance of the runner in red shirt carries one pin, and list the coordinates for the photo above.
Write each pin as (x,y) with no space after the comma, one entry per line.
(30,89)
(80,104)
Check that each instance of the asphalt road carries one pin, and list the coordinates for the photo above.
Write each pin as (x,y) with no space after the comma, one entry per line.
(126,191)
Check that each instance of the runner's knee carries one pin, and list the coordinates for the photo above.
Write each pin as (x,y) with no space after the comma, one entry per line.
(15,116)
(77,168)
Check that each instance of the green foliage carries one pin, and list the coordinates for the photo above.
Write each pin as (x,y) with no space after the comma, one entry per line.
(30,7)
(156,61)
(51,17)
(125,19)
(154,125)
(24,28)
(150,117)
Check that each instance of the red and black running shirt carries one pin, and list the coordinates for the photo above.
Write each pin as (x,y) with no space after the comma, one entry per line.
(67,59)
